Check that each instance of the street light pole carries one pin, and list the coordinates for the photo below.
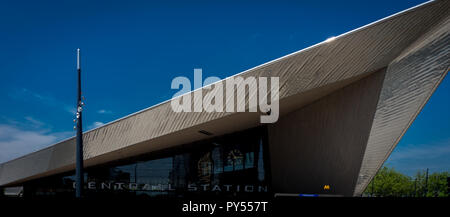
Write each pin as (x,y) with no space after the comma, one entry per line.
(79,177)
(426,183)
(415,187)
(373,182)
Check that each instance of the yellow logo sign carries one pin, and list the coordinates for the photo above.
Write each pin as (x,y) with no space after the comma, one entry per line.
(326,187)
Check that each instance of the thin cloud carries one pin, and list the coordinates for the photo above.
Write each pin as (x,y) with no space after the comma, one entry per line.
(27,123)
(70,109)
(34,123)
(25,94)
(423,151)
(16,142)
(95,125)
(413,157)
(103,111)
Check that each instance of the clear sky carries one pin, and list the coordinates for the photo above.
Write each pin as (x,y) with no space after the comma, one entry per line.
(133,49)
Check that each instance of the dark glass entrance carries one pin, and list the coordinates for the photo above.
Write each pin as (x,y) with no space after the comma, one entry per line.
(230,165)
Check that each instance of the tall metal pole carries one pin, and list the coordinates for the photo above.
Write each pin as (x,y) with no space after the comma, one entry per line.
(79,150)
(415,187)
(426,184)
(373,182)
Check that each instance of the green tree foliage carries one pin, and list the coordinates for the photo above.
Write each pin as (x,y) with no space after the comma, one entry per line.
(390,183)
(437,185)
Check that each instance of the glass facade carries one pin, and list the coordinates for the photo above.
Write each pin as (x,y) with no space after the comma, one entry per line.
(230,165)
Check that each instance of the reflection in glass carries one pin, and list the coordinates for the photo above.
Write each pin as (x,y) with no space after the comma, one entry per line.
(225,165)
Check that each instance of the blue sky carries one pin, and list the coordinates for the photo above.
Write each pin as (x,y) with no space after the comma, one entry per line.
(133,49)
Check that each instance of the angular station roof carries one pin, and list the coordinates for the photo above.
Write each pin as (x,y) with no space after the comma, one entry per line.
(413,47)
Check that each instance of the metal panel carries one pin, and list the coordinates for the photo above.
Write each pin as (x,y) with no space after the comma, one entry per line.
(410,80)
(323,143)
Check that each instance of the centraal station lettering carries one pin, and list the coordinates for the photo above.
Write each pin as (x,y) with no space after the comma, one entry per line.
(169,187)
